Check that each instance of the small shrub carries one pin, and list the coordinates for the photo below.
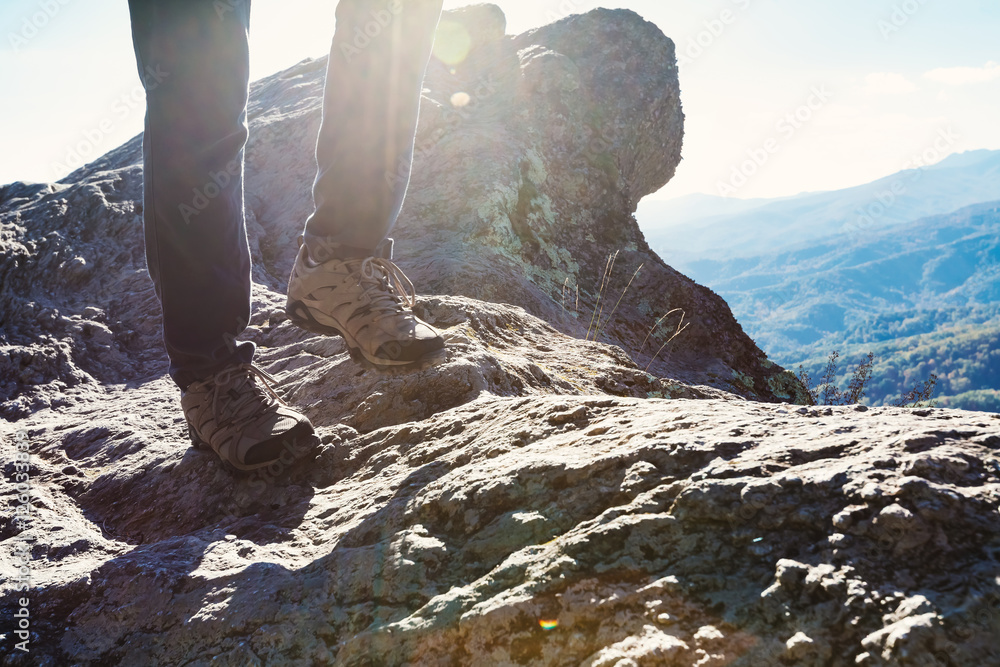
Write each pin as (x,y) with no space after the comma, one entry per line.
(918,395)
(828,393)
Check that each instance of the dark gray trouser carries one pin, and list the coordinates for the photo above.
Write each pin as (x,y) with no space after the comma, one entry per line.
(193,60)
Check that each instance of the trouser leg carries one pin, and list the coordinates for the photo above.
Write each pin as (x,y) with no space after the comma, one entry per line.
(373,83)
(194,63)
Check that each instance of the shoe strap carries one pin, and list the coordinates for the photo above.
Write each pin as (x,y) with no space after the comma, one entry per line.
(225,376)
(376,268)
(267,379)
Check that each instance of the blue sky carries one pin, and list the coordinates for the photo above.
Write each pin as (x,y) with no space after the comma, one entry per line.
(781,96)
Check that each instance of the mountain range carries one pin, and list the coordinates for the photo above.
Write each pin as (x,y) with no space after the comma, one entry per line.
(688,230)
(920,286)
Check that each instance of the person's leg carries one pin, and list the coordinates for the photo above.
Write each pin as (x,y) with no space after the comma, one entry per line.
(373,83)
(194,63)
(343,282)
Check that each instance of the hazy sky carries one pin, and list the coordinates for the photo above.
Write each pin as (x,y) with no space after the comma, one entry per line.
(781,96)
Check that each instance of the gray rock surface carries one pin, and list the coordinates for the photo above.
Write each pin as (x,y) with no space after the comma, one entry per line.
(663,532)
(539,499)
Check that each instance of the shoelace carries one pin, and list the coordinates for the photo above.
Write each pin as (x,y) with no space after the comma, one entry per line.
(225,377)
(397,290)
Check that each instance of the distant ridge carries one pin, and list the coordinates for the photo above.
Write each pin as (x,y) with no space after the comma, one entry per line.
(682,236)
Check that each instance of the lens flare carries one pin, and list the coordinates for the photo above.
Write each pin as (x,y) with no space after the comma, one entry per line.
(452,42)
(548,625)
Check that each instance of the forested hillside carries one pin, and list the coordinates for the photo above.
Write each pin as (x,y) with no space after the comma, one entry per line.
(925,297)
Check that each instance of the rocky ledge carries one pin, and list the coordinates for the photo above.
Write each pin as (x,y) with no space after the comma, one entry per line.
(552,525)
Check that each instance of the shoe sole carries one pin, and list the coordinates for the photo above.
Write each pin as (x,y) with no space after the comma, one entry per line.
(301,317)
(300,430)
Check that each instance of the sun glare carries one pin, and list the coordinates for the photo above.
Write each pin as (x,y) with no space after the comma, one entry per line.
(452,43)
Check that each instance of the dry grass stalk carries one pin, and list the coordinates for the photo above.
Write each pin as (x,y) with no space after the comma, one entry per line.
(653,328)
(601,327)
(677,332)
(609,267)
